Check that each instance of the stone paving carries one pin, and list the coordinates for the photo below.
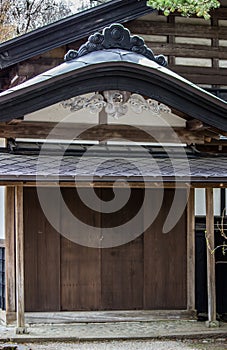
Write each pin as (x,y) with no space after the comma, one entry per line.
(121,345)
(177,329)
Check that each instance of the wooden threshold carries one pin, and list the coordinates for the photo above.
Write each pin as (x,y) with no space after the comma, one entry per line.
(108,316)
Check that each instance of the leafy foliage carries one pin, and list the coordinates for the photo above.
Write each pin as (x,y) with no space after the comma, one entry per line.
(186,7)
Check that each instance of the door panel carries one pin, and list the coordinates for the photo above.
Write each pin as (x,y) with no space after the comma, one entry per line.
(122,276)
(147,273)
(122,266)
(42,256)
(80,277)
(80,266)
(165,260)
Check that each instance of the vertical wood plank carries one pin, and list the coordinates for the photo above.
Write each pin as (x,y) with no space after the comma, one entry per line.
(211,288)
(80,265)
(122,276)
(215,44)
(42,254)
(19,258)
(191,250)
(165,263)
(122,266)
(10,250)
(171,40)
(80,277)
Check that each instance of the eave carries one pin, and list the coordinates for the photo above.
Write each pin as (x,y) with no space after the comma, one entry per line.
(99,71)
(183,170)
(70,29)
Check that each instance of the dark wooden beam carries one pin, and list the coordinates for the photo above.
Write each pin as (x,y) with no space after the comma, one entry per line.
(187,30)
(109,184)
(71,131)
(69,29)
(194,124)
(201,75)
(190,51)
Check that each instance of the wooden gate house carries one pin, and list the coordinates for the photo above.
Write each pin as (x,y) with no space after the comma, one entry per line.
(112,113)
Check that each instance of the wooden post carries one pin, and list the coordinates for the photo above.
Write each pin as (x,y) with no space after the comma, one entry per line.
(211,288)
(19,259)
(10,254)
(191,251)
(103,119)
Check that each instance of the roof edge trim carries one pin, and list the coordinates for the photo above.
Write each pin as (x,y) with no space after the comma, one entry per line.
(70,29)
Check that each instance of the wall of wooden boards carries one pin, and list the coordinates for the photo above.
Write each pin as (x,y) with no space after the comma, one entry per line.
(146,273)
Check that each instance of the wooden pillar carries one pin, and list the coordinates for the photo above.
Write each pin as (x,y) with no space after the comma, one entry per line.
(103,119)
(10,278)
(19,259)
(211,288)
(191,251)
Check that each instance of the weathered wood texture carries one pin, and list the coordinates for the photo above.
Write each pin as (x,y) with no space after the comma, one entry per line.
(211,281)
(70,131)
(19,229)
(42,256)
(122,267)
(177,41)
(146,273)
(170,29)
(10,249)
(191,250)
(122,276)
(177,29)
(165,258)
(80,265)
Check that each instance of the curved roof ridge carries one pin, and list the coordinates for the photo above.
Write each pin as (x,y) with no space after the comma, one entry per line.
(116,36)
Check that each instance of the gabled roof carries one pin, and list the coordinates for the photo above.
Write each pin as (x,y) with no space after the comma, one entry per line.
(70,29)
(109,61)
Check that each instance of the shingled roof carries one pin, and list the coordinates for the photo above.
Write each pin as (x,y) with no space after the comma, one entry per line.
(49,168)
(112,60)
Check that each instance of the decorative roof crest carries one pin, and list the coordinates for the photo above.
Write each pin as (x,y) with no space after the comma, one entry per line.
(115,37)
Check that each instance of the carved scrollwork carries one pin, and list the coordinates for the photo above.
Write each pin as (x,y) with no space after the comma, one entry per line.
(114,37)
(116,104)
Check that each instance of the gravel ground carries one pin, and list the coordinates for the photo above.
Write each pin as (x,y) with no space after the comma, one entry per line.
(130,345)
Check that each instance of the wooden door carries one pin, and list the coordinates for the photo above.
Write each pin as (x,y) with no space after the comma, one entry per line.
(147,273)
(101,279)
